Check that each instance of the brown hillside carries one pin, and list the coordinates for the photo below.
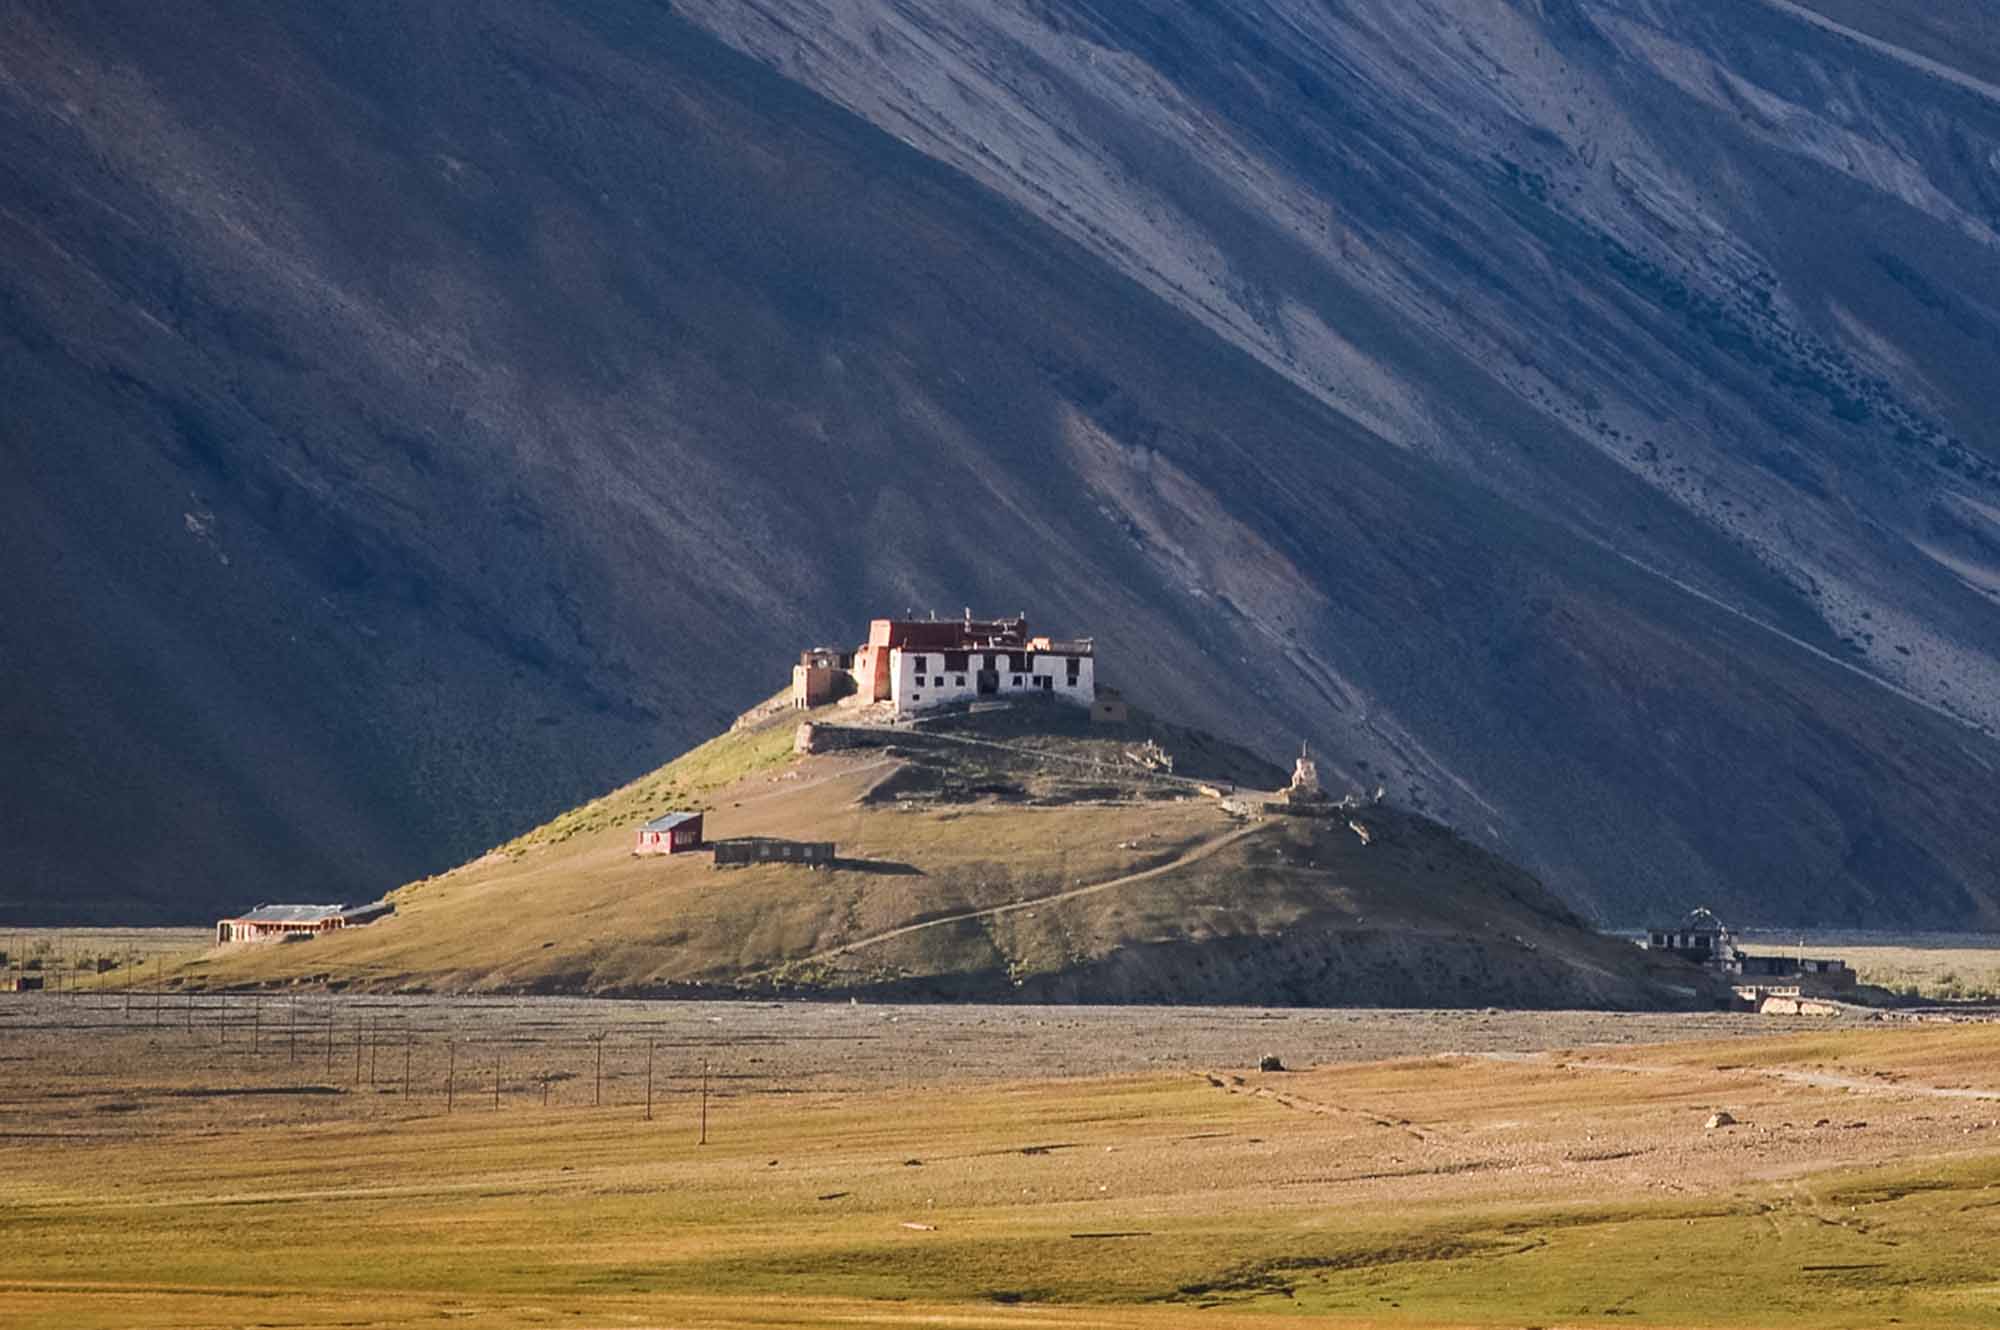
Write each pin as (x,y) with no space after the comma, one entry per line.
(1014,855)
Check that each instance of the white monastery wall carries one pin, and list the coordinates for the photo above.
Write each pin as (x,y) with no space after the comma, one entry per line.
(918,680)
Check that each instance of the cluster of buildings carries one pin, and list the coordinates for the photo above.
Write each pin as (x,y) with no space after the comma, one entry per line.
(917,664)
(911,665)
(682,833)
(1705,940)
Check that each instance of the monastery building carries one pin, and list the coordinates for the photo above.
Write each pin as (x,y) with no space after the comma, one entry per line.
(916,664)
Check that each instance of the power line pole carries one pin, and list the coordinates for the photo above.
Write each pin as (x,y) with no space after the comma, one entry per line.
(704,1103)
(450,1073)
(649,1080)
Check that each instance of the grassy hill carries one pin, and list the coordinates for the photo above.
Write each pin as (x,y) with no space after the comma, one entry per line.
(1021,853)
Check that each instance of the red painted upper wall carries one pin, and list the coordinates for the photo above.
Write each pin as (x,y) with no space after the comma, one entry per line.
(947,634)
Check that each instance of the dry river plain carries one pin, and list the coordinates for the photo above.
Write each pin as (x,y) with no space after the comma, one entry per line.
(168,1161)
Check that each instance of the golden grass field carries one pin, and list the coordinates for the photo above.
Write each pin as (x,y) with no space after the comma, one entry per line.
(980,1167)
(1948,971)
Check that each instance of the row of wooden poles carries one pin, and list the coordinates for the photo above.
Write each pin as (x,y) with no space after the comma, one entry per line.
(369,1041)
(59,970)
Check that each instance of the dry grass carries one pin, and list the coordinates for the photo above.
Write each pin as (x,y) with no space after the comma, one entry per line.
(1185,901)
(84,958)
(1574,1188)
(686,782)
(1944,972)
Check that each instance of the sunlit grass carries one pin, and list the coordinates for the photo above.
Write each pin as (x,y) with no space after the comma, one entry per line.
(1363,1193)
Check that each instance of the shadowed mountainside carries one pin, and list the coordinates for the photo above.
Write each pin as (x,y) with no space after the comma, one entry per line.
(1566,414)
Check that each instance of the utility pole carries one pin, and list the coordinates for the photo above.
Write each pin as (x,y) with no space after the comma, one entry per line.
(450,1073)
(406,1068)
(329,1041)
(649,1080)
(704,1103)
(256,1022)
(292,1028)
(598,1100)
(496,1078)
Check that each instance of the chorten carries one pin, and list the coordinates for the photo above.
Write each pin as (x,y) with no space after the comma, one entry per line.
(1305,779)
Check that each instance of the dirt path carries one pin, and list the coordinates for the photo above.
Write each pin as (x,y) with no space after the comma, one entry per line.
(1817,1079)
(1196,855)
(781,785)
(1093,764)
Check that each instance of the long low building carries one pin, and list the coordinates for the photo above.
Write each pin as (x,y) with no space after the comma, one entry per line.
(283,923)
(744,850)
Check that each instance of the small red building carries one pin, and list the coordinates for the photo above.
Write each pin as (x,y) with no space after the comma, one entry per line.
(676,833)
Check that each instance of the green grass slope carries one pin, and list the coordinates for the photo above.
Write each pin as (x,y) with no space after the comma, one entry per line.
(1019,855)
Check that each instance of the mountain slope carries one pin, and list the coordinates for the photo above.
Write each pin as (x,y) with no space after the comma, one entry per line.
(426,417)
(1502,235)
(995,857)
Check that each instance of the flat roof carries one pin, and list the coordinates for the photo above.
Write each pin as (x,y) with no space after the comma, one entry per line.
(288,914)
(670,821)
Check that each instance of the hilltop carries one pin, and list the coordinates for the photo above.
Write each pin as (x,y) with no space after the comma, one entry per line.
(1016,853)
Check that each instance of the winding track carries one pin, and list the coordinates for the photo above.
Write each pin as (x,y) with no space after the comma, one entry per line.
(1195,855)
(1817,1079)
